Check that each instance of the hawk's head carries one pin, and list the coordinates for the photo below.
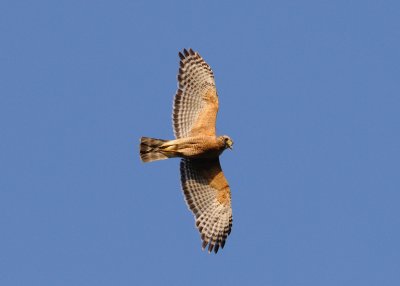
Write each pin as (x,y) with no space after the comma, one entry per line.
(227,141)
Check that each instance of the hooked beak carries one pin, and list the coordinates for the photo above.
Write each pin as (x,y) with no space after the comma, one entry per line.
(230,144)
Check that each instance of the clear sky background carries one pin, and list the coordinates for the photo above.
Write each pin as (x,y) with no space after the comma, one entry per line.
(309,92)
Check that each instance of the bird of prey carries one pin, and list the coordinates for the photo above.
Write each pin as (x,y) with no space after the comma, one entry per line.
(204,185)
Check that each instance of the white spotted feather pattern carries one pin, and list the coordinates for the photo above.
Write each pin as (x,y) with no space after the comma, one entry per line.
(195,78)
(213,219)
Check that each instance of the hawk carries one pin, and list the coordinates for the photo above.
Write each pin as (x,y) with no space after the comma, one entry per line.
(204,185)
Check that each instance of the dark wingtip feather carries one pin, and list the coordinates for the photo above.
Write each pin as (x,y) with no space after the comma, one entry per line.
(210,247)
(216,248)
(223,243)
(203,246)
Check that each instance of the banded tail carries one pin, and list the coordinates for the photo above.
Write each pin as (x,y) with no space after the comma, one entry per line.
(151,150)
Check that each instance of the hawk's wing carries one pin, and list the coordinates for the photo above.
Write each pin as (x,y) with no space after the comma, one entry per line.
(196,101)
(208,196)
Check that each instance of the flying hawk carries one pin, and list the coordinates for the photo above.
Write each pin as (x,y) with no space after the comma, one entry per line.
(204,185)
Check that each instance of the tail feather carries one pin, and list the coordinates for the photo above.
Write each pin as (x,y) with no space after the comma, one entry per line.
(150,149)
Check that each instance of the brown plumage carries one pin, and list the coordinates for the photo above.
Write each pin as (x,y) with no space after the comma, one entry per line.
(205,187)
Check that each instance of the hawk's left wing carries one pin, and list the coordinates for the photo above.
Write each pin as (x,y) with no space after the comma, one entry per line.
(208,196)
(196,101)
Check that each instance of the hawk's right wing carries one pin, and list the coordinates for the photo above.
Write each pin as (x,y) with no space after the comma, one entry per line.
(208,196)
(196,101)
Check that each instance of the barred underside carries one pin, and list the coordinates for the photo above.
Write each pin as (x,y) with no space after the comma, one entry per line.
(213,218)
(195,79)
(150,149)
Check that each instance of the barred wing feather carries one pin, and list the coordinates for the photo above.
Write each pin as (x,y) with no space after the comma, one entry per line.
(208,196)
(196,101)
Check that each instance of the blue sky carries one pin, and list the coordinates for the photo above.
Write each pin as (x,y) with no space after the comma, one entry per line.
(309,91)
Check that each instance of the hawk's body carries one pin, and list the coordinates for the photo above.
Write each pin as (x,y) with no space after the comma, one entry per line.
(205,187)
(191,147)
